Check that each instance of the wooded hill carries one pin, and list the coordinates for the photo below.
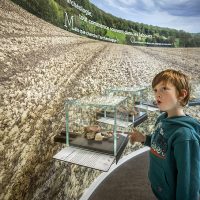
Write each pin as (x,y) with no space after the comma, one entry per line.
(53,11)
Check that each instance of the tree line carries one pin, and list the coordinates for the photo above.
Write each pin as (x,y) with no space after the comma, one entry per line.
(53,12)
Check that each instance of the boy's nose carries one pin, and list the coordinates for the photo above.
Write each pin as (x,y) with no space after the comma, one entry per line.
(158,96)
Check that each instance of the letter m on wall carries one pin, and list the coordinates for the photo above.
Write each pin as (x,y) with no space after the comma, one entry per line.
(69,22)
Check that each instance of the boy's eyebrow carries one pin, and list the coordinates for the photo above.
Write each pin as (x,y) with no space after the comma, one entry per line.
(160,85)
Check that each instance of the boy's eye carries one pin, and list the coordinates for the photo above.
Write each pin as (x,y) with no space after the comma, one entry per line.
(166,88)
(155,90)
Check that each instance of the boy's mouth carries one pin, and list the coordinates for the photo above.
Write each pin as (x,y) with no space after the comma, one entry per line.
(158,102)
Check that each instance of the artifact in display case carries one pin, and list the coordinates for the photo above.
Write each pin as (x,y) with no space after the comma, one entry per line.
(136,99)
(86,129)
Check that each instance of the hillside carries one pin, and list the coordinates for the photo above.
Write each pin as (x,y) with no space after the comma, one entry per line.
(121,30)
(41,66)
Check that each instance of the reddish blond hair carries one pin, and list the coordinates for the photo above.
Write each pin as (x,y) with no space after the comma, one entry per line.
(178,79)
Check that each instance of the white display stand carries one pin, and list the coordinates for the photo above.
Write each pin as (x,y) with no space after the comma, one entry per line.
(86,158)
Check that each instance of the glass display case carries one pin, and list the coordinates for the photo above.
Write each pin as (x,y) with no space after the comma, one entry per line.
(98,123)
(195,93)
(151,101)
(137,98)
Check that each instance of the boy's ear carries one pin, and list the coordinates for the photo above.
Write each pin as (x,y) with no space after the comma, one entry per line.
(183,94)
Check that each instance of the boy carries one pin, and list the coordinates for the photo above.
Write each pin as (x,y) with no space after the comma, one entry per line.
(174,170)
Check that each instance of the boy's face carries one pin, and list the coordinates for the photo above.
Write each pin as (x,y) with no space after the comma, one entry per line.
(166,96)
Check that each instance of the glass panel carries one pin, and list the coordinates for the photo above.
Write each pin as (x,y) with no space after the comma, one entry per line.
(137,98)
(98,101)
(195,89)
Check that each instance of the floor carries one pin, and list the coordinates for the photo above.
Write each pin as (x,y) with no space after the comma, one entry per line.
(127,182)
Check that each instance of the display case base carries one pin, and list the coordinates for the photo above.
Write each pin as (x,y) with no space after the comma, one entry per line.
(140,119)
(194,102)
(105,146)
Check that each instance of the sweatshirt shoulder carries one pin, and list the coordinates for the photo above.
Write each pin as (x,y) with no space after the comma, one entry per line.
(185,134)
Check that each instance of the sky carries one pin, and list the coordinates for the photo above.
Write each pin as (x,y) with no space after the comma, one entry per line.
(177,14)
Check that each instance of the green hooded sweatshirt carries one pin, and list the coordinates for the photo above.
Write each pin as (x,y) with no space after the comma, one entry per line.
(174,170)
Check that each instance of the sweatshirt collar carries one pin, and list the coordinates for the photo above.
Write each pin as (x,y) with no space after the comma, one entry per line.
(173,117)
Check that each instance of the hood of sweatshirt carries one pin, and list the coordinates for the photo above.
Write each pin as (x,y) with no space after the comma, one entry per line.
(177,123)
